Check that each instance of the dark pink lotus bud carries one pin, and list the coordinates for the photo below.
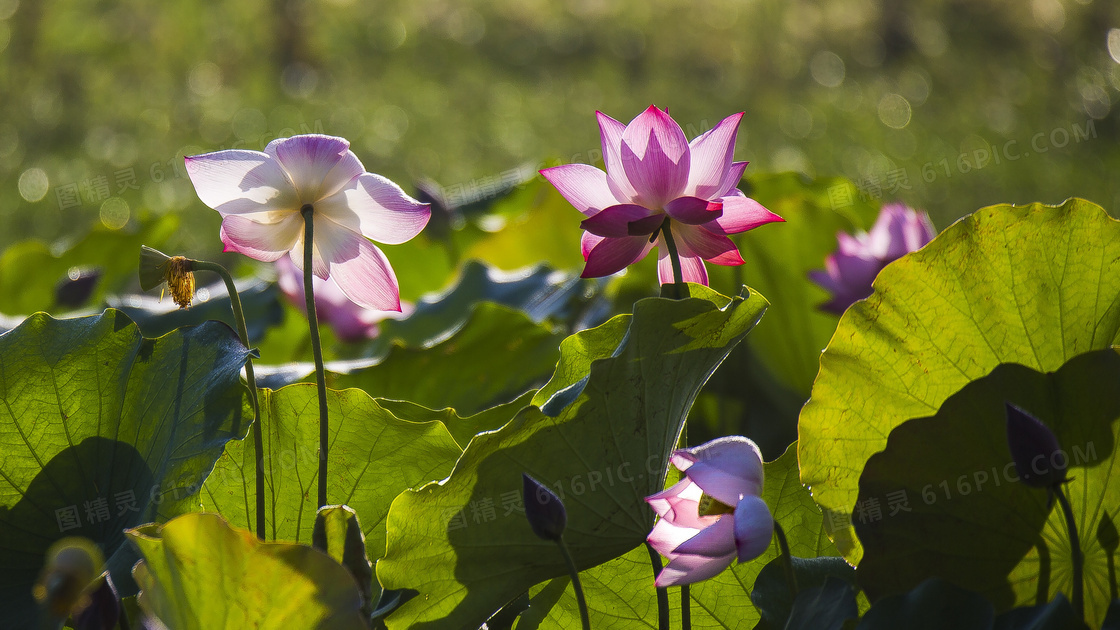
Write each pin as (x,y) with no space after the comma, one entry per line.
(1038,457)
(545,510)
(849,271)
(99,608)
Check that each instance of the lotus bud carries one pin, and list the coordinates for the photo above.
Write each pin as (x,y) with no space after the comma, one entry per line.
(544,509)
(1034,449)
(99,607)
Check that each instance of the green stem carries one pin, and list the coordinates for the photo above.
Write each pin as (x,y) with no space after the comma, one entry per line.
(674,256)
(787,560)
(580,601)
(1078,557)
(251,379)
(316,346)
(686,608)
(662,593)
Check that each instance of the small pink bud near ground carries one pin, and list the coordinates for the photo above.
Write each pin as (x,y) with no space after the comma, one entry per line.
(715,515)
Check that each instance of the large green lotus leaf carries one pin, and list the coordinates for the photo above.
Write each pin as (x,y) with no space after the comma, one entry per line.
(373,457)
(620,593)
(966,519)
(199,573)
(462,429)
(101,430)
(542,292)
(499,354)
(1034,285)
(778,261)
(31,270)
(602,442)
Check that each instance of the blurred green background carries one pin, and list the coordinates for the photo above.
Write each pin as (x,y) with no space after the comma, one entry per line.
(948,105)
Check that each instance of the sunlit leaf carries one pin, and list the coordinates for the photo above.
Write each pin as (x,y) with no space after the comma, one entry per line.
(621,595)
(1034,285)
(373,457)
(102,430)
(967,519)
(600,437)
(199,573)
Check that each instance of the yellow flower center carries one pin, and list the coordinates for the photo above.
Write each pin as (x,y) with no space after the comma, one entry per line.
(711,507)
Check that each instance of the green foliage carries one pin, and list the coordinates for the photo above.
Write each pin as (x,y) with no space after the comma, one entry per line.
(498,354)
(373,457)
(30,271)
(103,430)
(338,532)
(933,604)
(617,412)
(1034,285)
(771,594)
(778,261)
(199,573)
(968,520)
(620,592)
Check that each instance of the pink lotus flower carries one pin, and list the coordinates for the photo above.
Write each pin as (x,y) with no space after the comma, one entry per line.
(714,515)
(349,321)
(849,272)
(261,197)
(654,174)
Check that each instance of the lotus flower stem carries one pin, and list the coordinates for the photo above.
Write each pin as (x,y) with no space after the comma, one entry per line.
(662,591)
(1075,549)
(316,347)
(686,608)
(250,378)
(787,560)
(674,256)
(583,616)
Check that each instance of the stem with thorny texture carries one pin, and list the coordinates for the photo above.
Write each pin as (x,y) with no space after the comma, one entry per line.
(674,257)
(250,378)
(1078,557)
(316,347)
(580,601)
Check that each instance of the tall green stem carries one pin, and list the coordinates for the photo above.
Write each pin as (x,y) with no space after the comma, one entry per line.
(787,560)
(316,347)
(686,609)
(662,593)
(251,379)
(674,256)
(1078,557)
(580,601)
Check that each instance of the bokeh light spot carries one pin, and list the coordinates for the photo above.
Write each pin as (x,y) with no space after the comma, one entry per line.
(115,213)
(894,111)
(827,68)
(33,184)
(1114,44)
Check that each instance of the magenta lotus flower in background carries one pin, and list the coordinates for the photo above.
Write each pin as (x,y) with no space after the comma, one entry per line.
(261,196)
(654,173)
(849,272)
(349,321)
(714,515)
